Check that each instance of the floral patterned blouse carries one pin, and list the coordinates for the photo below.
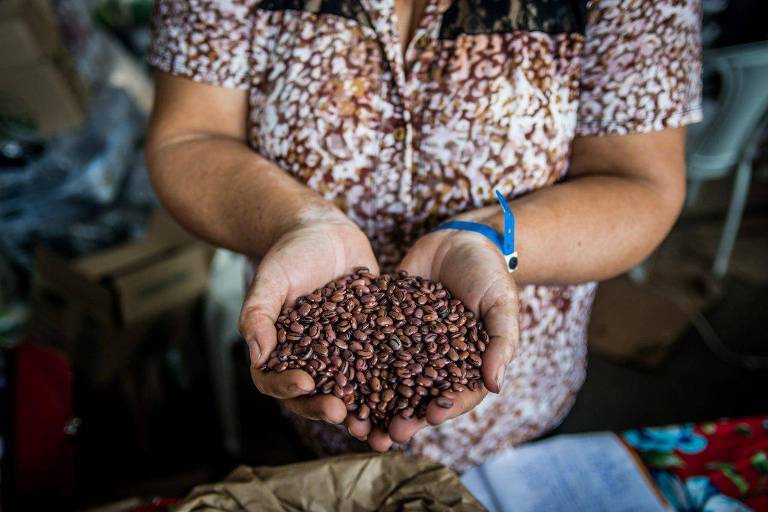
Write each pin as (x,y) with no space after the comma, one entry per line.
(489,94)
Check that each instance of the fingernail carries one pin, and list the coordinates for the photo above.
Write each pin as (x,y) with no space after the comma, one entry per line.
(500,378)
(254,351)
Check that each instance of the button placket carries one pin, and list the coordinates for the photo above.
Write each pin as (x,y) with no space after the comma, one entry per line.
(406,92)
(381,13)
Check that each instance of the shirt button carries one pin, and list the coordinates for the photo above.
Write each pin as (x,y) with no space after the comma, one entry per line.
(399,133)
(422,42)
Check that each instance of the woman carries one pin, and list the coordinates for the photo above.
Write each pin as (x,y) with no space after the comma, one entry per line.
(318,136)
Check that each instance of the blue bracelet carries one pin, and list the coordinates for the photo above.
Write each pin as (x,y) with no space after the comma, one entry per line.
(505,242)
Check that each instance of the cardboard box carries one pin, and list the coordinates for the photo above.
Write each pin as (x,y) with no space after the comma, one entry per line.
(39,87)
(42,97)
(28,32)
(100,306)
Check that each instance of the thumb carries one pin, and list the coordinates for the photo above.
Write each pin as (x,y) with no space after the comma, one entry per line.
(258,316)
(499,311)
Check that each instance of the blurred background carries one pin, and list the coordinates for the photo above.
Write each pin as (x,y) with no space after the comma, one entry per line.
(122,377)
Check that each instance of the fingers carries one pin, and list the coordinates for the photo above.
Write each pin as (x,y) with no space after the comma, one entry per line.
(418,261)
(357,428)
(288,384)
(379,440)
(259,314)
(326,408)
(501,322)
(462,402)
(401,430)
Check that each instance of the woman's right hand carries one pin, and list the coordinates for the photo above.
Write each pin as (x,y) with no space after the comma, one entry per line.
(309,253)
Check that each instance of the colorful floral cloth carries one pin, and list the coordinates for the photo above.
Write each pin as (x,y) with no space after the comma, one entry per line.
(719,466)
(488,95)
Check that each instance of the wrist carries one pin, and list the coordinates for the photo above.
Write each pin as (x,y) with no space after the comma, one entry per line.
(498,229)
(304,212)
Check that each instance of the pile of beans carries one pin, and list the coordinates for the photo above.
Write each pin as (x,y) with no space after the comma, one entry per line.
(385,345)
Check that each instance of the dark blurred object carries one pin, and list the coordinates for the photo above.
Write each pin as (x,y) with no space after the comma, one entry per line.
(128,20)
(85,190)
(123,14)
(156,417)
(735,22)
(40,464)
(40,90)
(98,307)
(16,153)
(137,505)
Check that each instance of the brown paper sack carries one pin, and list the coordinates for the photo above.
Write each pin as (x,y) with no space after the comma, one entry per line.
(350,483)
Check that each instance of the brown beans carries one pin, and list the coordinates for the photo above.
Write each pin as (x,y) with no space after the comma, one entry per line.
(384,345)
(405,391)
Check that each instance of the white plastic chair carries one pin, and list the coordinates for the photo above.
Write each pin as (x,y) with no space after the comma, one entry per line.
(727,141)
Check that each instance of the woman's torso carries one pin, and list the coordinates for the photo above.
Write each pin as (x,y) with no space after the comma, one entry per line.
(488,94)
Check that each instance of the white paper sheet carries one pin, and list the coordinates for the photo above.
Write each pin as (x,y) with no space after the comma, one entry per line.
(590,472)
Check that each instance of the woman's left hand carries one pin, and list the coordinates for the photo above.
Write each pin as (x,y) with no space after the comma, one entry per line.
(473,270)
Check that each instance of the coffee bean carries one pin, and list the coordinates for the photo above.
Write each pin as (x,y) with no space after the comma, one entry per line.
(424,381)
(459,344)
(403,373)
(405,391)
(385,345)
(403,355)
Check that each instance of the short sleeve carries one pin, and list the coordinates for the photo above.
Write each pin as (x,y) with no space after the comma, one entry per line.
(208,41)
(640,66)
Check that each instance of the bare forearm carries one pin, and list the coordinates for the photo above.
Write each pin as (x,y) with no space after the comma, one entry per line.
(225,193)
(591,228)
